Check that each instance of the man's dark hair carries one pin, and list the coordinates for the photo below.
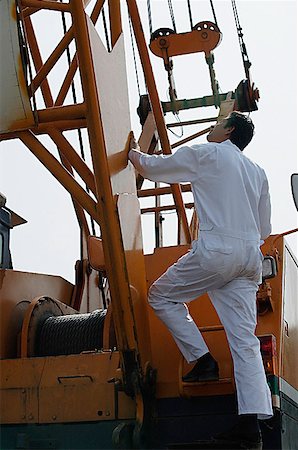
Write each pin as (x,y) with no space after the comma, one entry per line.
(243,131)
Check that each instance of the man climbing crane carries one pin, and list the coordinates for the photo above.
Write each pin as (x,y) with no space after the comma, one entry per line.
(233,205)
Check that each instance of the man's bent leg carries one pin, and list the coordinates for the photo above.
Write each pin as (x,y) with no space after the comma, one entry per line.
(182,282)
(235,304)
(180,323)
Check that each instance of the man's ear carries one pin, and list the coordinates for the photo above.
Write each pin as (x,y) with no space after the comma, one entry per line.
(229,130)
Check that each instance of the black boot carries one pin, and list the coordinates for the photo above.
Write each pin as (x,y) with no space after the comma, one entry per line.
(205,369)
(245,434)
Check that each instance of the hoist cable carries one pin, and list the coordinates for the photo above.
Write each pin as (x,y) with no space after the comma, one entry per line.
(245,59)
(149,17)
(106,30)
(74,96)
(213,11)
(181,127)
(172,15)
(134,55)
(190,14)
(26,58)
(236,17)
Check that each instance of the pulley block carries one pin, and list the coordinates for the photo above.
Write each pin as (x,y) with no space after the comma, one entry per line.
(204,37)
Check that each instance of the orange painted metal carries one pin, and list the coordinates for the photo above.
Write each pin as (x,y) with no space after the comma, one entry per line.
(70,112)
(51,61)
(157,111)
(19,380)
(83,381)
(73,158)
(191,122)
(71,388)
(25,326)
(164,208)
(70,159)
(43,69)
(96,10)
(17,291)
(115,20)
(113,97)
(204,39)
(43,128)
(77,192)
(67,82)
(190,138)
(114,255)
(60,117)
(286,233)
(130,223)
(162,191)
(74,63)
(44,4)
(282,321)
(108,337)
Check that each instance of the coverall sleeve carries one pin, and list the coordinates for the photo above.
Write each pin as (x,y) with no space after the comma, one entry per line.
(181,166)
(265,210)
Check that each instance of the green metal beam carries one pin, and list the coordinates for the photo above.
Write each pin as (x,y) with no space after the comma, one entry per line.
(209,100)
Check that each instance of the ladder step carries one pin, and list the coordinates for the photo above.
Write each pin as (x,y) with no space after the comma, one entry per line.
(200,383)
(220,387)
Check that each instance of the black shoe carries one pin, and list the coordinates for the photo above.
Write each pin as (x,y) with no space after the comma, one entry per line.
(239,438)
(205,369)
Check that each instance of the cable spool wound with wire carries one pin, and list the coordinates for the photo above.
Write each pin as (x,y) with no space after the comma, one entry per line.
(51,328)
(71,334)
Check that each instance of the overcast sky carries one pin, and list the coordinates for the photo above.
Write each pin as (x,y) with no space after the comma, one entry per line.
(49,241)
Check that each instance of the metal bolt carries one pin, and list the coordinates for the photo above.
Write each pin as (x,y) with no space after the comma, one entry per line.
(30,417)
(204,35)
(23,391)
(108,413)
(162,42)
(54,417)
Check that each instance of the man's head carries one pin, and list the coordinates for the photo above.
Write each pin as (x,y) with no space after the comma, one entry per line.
(237,127)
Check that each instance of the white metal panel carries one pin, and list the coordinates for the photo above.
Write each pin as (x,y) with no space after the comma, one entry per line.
(15,108)
(111,81)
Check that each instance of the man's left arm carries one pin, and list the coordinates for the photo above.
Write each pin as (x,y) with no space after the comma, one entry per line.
(181,166)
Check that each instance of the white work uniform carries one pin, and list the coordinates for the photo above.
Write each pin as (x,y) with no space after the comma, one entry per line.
(233,205)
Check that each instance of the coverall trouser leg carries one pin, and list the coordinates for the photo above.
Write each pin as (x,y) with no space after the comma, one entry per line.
(234,298)
(235,304)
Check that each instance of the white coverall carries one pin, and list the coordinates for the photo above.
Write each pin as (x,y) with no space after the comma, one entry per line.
(233,205)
